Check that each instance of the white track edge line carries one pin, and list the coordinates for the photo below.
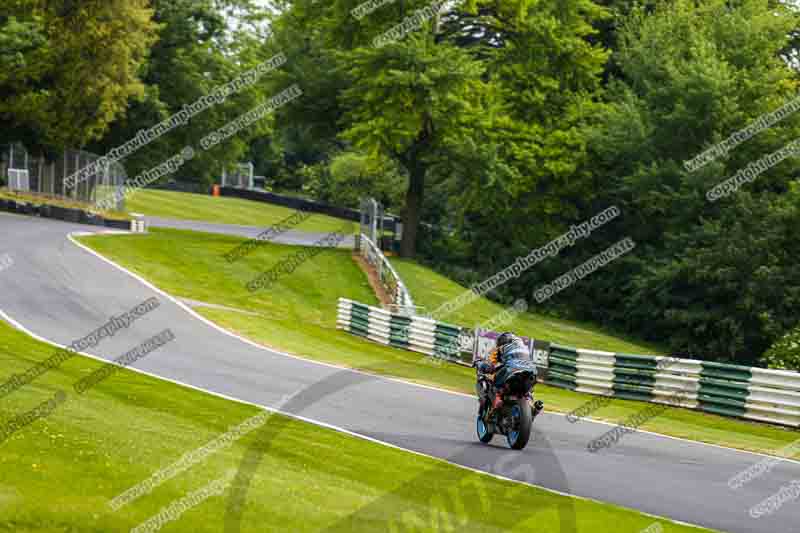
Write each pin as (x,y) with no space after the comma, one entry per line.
(378,376)
(342,430)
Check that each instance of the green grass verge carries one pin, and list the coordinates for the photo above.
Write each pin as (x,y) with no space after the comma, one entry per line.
(298,315)
(61,472)
(430,290)
(223,210)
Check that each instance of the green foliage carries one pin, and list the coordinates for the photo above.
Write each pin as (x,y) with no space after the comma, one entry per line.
(18,39)
(716,281)
(351,176)
(193,56)
(522,174)
(732,284)
(68,69)
(406,98)
(785,353)
(411,101)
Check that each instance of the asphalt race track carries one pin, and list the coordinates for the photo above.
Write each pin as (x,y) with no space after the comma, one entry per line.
(297,238)
(61,292)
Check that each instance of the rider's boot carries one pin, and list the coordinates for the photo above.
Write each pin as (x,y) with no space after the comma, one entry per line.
(538,405)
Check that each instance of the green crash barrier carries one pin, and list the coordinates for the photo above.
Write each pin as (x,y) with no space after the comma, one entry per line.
(398,331)
(561,379)
(564,352)
(729,372)
(568,366)
(724,389)
(446,340)
(632,392)
(717,406)
(716,388)
(642,362)
(633,377)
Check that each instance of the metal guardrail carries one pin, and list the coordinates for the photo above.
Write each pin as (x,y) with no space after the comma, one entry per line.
(743,392)
(388,276)
(415,333)
(762,395)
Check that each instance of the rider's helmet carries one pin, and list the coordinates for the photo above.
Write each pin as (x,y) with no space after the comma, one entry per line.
(512,347)
(505,338)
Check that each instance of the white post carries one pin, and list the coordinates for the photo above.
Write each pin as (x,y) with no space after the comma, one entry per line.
(373,228)
(77,168)
(39,186)
(65,173)
(475,346)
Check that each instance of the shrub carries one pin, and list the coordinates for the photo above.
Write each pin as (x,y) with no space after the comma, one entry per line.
(351,176)
(785,353)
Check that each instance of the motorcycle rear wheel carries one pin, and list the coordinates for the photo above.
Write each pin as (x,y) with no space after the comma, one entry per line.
(519,435)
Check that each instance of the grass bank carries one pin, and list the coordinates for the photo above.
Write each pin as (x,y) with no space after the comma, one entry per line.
(430,290)
(223,210)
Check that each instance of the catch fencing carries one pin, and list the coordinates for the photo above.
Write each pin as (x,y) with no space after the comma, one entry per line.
(241,177)
(36,174)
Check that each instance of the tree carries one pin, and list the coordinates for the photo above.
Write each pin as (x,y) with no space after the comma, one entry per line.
(407,101)
(195,54)
(714,280)
(70,68)
(546,79)
(349,176)
(422,100)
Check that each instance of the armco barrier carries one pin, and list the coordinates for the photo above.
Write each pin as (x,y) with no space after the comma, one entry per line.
(293,203)
(73,215)
(752,393)
(774,396)
(414,333)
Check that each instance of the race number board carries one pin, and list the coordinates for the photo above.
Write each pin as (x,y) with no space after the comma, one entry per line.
(486,340)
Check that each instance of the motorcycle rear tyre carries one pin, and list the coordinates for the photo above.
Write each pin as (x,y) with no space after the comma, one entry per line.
(519,438)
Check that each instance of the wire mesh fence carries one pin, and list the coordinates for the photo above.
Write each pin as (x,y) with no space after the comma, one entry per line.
(240,177)
(25,172)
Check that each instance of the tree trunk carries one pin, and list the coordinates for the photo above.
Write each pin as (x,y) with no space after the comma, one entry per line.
(411,217)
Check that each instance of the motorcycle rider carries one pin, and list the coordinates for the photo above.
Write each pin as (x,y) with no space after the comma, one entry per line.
(508,346)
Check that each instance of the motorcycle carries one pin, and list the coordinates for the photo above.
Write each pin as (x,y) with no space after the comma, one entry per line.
(514,417)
